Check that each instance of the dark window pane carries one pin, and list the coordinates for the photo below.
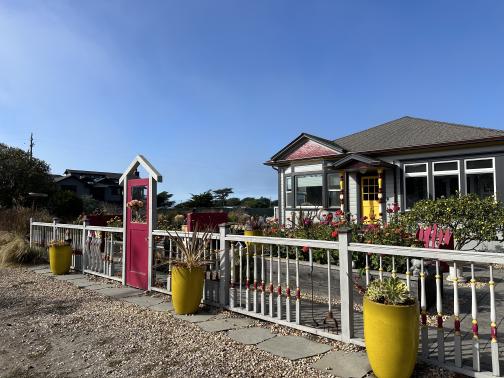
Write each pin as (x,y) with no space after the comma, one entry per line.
(334,200)
(289,198)
(138,204)
(481,184)
(416,190)
(445,186)
(450,166)
(479,164)
(417,168)
(333,181)
(288,183)
(309,190)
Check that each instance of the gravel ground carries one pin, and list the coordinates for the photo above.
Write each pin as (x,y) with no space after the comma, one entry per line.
(50,328)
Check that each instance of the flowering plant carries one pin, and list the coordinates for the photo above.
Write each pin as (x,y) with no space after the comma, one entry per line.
(136,215)
(135,204)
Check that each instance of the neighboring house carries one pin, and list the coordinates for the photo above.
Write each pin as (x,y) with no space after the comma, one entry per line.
(402,161)
(102,186)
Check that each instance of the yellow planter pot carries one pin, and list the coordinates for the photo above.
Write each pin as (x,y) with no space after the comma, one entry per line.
(187,289)
(253,233)
(391,336)
(60,259)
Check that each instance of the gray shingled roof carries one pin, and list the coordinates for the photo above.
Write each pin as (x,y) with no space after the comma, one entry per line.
(409,132)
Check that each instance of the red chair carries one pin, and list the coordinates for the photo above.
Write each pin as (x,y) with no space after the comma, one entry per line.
(435,237)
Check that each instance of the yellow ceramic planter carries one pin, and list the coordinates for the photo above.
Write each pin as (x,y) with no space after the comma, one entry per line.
(60,258)
(187,289)
(253,233)
(391,336)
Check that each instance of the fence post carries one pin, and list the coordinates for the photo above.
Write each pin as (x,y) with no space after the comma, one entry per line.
(55,221)
(346,286)
(224,266)
(31,231)
(83,259)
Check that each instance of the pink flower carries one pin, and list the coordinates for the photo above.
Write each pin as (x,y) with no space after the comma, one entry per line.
(306,249)
(334,234)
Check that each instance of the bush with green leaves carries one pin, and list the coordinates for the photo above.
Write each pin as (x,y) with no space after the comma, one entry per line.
(472,219)
(390,291)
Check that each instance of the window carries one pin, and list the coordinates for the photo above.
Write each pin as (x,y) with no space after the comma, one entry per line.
(288,191)
(446,178)
(480,176)
(333,187)
(415,183)
(309,190)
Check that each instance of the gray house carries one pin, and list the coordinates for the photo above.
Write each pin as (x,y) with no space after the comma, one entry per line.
(398,162)
(102,186)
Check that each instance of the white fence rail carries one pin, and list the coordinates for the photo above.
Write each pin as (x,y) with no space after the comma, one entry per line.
(279,280)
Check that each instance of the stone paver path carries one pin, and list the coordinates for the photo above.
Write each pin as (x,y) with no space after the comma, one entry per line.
(293,347)
(238,329)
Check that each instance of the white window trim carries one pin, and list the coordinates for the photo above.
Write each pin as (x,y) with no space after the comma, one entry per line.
(294,185)
(416,174)
(444,173)
(482,170)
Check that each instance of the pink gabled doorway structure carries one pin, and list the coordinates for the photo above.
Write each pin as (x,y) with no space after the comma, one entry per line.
(140,218)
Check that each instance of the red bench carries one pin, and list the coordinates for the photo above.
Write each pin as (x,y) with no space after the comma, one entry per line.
(435,237)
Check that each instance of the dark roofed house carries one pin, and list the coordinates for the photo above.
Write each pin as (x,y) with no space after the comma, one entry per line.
(102,186)
(401,162)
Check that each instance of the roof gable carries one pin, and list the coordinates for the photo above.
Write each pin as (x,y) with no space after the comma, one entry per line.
(410,132)
(307,146)
(137,161)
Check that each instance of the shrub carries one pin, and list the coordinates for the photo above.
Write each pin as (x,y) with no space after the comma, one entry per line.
(391,291)
(15,249)
(65,204)
(472,219)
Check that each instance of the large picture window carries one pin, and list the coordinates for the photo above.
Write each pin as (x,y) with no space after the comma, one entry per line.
(333,188)
(480,176)
(309,190)
(415,183)
(446,178)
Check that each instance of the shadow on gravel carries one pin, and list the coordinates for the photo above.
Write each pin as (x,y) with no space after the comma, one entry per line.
(20,307)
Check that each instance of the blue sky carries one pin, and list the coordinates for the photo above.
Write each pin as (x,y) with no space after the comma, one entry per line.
(209,90)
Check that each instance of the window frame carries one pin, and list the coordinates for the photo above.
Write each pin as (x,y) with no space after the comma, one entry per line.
(482,170)
(328,189)
(415,174)
(444,173)
(295,191)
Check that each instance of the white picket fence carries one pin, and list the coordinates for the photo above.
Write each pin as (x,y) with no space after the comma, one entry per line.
(265,277)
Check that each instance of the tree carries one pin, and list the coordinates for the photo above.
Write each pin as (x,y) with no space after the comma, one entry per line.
(234,201)
(204,199)
(20,175)
(163,199)
(221,195)
(261,202)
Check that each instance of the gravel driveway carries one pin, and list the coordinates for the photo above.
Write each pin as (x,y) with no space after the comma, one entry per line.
(50,328)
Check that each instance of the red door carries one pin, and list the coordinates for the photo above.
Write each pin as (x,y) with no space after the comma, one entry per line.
(137,232)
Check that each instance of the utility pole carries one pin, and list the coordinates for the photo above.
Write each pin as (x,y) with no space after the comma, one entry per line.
(31,145)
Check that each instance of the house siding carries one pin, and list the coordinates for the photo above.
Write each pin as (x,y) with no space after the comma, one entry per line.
(353,194)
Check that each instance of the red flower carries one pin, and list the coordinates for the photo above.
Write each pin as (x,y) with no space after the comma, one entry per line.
(334,234)
(339,212)
(306,249)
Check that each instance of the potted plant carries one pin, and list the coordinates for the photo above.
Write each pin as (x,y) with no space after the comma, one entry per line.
(254,226)
(60,256)
(188,271)
(391,328)
(137,215)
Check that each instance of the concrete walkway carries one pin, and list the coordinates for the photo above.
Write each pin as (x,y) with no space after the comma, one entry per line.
(239,329)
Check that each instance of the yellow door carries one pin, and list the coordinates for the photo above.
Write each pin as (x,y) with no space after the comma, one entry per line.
(370,201)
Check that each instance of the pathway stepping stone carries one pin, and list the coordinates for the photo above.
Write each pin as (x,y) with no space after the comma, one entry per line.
(195,318)
(43,271)
(70,277)
(120,292)
(344,365)
(37,267)
(293,347)
(218,325)
(162,307)
(143,301)
(96,286)
(251,336)
(82,282)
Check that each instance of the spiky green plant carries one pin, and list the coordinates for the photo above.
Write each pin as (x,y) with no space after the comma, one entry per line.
(191,248)
(391,291)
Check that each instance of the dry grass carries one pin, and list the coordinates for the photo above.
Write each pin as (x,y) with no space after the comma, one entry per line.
(15,249)
(17,219)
